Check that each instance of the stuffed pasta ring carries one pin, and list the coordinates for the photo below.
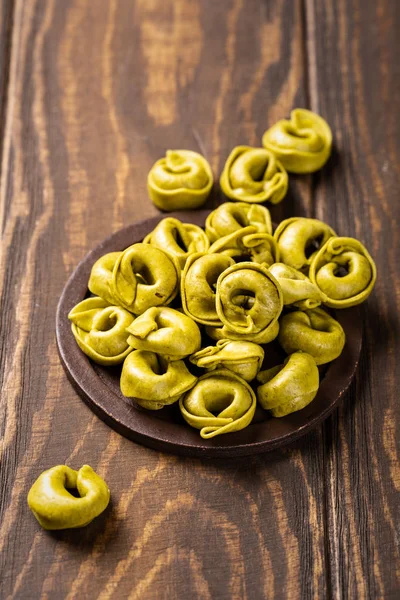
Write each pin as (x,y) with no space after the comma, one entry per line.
(100,330)
(344,272)
(153,382)
(242,357)
(232,216)
(249,299)
(220,402)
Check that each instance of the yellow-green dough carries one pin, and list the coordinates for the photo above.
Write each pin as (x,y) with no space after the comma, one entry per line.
(232,216)
(254,175)
(263,337)
(242,357)
(181,180)
(179,240)
(101,276)
(101,330)
(220,402)
(289,387)
(298,240)
(297,289)
(248,244)
(144,276)
(249,299)
(198,283)
(344,272)
(165,331)
(152,381)
(56,508)
(313,331)
(303,144)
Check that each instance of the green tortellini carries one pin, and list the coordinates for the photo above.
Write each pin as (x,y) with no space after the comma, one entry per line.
(152,381)
(182,180)
(220,402)
(303,144)
(135,279)
(198,283)
(101,276)
(264,337)
(243,358)
(289,387)
(249,299)
(165,331)
(100,330)
(344,272)
(144,277)
(254,175)
(179,240)
(298,239)
(313,331)
(247,244)
(56,508)
(232,216)
(297,289)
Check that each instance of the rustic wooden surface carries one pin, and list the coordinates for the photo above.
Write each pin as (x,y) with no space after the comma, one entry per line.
(91,93)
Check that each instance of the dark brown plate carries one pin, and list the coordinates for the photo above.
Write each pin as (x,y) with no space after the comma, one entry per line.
(166,430)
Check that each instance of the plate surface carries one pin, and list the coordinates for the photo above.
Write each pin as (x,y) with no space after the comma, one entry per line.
(165,429)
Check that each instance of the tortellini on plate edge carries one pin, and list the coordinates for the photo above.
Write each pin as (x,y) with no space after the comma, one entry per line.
(101,330)
(343,272)
(289,387)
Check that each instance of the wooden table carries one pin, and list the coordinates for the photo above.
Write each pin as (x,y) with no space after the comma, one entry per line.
(91,94)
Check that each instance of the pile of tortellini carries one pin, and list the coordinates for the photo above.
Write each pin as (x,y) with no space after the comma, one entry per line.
(188,300)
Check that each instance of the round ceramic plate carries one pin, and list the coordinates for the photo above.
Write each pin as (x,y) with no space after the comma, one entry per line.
(165,429)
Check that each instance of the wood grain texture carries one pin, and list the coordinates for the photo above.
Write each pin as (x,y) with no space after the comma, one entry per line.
(6,17)
(96,93)
(355,84)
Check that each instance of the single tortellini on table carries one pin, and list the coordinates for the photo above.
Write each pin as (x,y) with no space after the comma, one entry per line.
(297,288)
(220,402)
(249,299)
(303,144)
(344,272)
(181,180)
(289,387)
(153,382)
(198,285)
(55,507)
(101,276)
(232,216)
(144,276)
(248,244)
(299,240)
(165,331)
(263,337)
(242,357)
(254,175)
(100,330)
(313,331)
(178,239)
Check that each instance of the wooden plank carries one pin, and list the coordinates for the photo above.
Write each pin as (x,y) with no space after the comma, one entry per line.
(99,91)
(6,20)
(353,61)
